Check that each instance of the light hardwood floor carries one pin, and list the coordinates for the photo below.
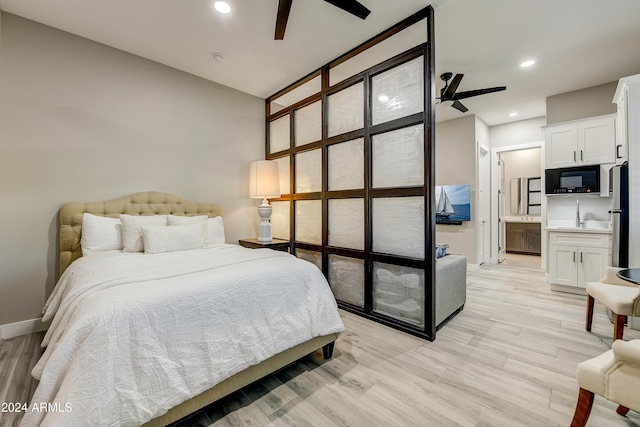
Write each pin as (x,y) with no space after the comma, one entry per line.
(508,359)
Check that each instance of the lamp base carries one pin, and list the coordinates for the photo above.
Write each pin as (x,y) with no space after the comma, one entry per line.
(264,228)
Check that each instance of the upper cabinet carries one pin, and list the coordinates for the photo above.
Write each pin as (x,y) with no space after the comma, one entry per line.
(584,142)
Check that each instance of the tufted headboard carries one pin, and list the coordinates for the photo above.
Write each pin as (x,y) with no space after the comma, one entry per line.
(147,203)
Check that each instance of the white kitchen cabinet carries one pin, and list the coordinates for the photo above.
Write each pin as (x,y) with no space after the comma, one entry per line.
(576,258)
(582,142)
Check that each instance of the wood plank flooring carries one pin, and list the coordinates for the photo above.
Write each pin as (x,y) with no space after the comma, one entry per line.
(508,359)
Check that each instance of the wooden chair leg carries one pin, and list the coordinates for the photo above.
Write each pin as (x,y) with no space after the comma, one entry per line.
(622,410)
(618,326)
(590,302)
(583,408)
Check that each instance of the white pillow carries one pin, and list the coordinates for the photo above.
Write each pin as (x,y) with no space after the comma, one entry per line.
(183,220)
(100,233)
(132,229)
(174,238)
(215,228)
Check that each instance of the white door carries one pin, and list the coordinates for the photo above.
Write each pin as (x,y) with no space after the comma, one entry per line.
(592,264)
(484,205)
(561,148)
(562,265)
(502,225)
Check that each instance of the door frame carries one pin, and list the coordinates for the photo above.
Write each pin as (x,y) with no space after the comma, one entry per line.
(495,183)
(484,204)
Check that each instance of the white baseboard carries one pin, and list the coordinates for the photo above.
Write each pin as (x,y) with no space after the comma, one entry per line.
(11,330)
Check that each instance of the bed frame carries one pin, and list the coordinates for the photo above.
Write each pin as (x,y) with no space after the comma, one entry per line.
(155,203)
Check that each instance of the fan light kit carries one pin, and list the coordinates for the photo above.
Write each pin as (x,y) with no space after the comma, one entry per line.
(218,57)
(284,7)
(448,92)
(222,6)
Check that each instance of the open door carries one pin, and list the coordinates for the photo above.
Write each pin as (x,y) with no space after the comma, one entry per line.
(502,225)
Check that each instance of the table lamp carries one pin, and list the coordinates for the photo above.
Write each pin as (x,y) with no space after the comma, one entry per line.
(264,183)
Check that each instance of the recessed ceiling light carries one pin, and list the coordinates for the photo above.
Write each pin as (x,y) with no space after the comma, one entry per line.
(513,114)
(528,63)
(218,57)
(222,6)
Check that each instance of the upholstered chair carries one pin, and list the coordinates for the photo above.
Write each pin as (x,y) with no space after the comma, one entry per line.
(620,296)
(614,375)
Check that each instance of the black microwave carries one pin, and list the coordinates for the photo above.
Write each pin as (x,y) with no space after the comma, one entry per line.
(579,179)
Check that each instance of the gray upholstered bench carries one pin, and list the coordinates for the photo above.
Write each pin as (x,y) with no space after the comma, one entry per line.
(451,286)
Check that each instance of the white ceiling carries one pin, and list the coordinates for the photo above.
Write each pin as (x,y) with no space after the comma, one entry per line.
(577,43)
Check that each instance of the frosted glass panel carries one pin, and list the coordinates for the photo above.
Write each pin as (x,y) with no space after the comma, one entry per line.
(312,256)
(279,134)
(346,165)
(398,158)
(346,223)
(309,221)
(346,277)
(283,170)
(388,48)
(535,210)
(308,124)
(309,171)
(298,94)
(280,220)
(398,292)
(398,92)
(398,226)
(346,110)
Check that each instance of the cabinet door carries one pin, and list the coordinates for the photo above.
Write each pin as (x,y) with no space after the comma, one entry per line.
(532,241)
(561,146)
(515,239)
(597,141)
(562,265)
(592,263)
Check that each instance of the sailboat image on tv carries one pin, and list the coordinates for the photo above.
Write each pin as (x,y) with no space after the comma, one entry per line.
(444,209)
(453,204)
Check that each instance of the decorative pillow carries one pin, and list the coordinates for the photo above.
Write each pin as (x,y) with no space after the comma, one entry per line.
(132,229)
(158,239)
(199,219)
(100,233)
(216,230)
(441,250)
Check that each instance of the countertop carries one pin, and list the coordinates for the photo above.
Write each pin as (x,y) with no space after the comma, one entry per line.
(569,229)
(533,219)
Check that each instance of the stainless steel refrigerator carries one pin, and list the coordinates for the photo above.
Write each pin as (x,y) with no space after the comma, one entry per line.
(619,187)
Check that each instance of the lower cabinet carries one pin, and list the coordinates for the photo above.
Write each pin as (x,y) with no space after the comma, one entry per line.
(578,258)
(524,238)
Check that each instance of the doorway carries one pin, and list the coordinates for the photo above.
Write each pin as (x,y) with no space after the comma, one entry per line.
(518,206)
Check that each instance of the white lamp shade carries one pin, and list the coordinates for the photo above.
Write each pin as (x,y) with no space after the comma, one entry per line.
(264,181)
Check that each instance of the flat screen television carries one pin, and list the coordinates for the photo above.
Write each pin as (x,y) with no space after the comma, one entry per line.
(453,204)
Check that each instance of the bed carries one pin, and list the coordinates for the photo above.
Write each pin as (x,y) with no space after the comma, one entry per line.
(148,338)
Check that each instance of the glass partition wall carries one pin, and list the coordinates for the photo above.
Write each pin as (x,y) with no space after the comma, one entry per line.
(356,174)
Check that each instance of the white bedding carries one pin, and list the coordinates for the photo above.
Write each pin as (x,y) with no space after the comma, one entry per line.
(133,335)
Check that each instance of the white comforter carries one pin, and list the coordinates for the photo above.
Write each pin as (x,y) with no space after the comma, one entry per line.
(133,335)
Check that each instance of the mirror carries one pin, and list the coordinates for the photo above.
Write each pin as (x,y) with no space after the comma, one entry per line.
(525,196)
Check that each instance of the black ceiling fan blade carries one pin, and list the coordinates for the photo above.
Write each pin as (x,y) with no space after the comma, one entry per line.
(351,6)
(284,7)
(450,90)
(470,93)
(458,106)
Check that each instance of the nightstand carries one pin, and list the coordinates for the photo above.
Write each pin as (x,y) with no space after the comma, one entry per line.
(275,244)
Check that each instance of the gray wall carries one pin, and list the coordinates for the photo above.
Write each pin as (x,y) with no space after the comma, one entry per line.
(456,164)
(83,121)
(580,104)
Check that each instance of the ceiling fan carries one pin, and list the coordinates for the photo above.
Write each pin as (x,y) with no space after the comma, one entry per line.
(448,92)
(284,7)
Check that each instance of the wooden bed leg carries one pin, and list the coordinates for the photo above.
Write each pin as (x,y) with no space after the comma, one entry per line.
(583,408)
(590,302)
(618,326)
(327,350)
(622,410)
